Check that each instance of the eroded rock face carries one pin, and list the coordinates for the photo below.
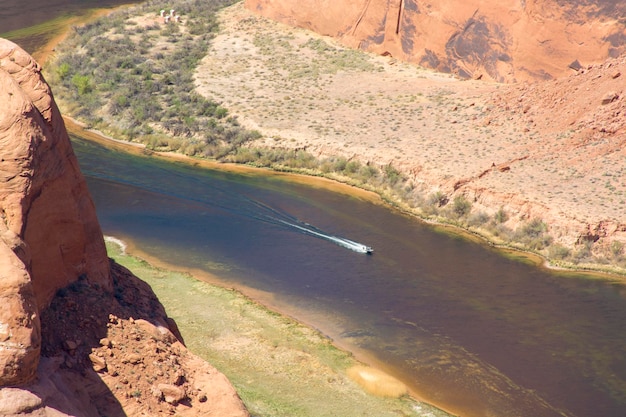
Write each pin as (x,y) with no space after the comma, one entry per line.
(20,333)
(506,40)
(46,211)
(49,233)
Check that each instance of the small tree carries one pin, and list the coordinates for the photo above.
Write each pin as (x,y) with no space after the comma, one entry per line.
(82,84)
(501,216)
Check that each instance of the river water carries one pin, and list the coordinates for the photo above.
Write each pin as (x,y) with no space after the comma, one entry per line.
(462,325)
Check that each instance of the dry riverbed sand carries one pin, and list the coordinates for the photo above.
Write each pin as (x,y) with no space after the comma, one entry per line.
(524,148)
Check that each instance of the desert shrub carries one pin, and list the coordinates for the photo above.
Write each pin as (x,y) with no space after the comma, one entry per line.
(616,248)
(478,219)
(352,167)
(368,171)
(437,199)
(501,216)
(503,232)
(583,252)
(558,252)
(535,228)
(339,164)
(534,234)
(392,175)
(63,70)
(460,206)
(82,83)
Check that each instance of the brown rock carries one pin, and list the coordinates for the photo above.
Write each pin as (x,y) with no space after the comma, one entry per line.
(70,345)
(20,334)
(98,363)
(106,343)
(134,358)
(610,97)
(171,393)
(14,401)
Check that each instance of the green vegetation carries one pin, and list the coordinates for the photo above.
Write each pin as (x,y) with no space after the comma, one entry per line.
(132,75)
(278,366)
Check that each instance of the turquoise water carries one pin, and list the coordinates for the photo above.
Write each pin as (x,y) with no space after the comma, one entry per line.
(456,321)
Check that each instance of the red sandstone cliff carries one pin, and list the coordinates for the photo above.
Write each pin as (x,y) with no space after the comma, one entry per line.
(74,327)
(508,40)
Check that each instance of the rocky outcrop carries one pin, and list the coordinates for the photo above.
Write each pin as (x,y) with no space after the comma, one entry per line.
(507,40)
(47,212)
(49,232)
(20,338)
(79,335)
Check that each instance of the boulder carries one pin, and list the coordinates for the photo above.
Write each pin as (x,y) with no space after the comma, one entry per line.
(171,393)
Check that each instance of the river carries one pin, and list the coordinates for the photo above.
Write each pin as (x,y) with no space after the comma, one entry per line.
(461,324)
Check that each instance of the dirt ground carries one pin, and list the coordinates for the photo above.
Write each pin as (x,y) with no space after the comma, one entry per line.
(549,150)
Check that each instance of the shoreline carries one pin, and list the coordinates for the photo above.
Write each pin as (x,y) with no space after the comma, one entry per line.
(75,127)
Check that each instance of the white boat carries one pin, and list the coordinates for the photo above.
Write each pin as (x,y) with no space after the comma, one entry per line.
(367,249)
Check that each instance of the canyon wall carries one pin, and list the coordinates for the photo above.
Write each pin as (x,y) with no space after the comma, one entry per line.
(505,41)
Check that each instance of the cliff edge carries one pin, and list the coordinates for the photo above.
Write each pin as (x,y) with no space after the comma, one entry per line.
(504,41)
(79,335)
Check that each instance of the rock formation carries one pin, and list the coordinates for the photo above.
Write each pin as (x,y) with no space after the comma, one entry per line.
(46,209)
(75,327)
(505,41)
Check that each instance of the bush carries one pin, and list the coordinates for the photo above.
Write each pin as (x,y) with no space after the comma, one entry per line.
(368,171)
(501,216)
(534,228)
(617,248)
(63,71)
(82,84)
(460,206)
(438,199)
(558,252)
(478,219)
(534,234)
(392,175)
(145,83)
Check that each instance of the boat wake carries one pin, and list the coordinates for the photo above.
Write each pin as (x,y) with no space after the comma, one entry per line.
(346,243)
(231,202)
(277,217)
